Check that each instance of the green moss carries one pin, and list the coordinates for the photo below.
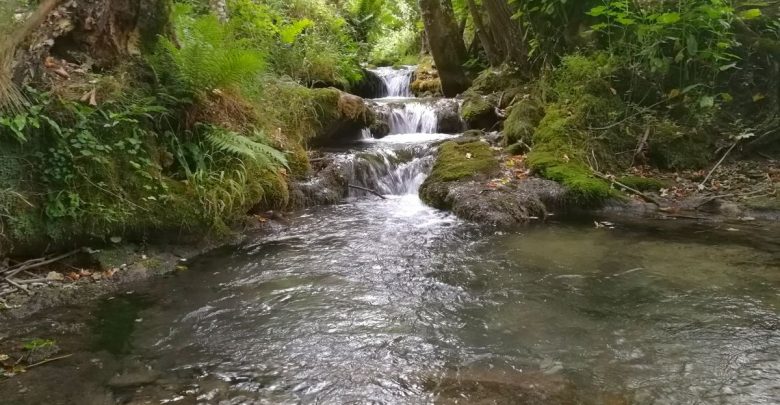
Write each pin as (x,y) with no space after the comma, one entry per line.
(582,186)
(275,191)
(675,147)
(559,155)
(518,148)
(459,161)
(522,121)
(298,161)
(642,183)
(497,80)
(477,108)
(429,87)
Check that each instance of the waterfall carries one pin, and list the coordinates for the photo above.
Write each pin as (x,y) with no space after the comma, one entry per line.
(397,82)
(389,171)
(412,118)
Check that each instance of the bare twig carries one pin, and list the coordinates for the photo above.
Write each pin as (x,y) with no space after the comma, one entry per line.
(32,264)
(631,189)
(720,162)
(640,146)
(368,190)
(17,285)
(40,363)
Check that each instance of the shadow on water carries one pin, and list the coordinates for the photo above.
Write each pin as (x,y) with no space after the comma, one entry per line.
(115,320)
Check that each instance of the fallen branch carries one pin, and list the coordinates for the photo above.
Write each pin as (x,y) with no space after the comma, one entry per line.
(40,363)
(35,263)
(612,180)
(368,190)
(717,165)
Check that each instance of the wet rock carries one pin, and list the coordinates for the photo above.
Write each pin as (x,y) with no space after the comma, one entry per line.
(461,182)
(370,86)
(327,187)
(381,126)
(132,379)
(479,111)
(448,116)
(515,204)
(426,81)
(343,117)
(502,387)
(493,138)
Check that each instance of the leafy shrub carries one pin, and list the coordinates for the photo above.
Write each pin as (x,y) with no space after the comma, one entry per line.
(686,41)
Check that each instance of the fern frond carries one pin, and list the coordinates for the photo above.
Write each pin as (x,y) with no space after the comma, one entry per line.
(243,147)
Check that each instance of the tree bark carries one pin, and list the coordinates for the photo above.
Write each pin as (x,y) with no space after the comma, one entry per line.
(494,56)
(446,45)
(105,32)
(507,33)
(220,9)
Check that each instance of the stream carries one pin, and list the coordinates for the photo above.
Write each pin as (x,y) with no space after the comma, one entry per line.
(378,301)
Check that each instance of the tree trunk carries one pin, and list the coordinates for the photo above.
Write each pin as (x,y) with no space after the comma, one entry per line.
(506,32)
(220,9)
(493,55)
(100,33)
(446,45)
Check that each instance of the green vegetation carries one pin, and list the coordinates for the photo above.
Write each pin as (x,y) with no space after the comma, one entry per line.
(188,121)
(204,126)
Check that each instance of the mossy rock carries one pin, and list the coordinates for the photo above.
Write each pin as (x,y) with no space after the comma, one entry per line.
(426,81)
(643,183)
(341,116)
(518,148)
(558,155)
(496,80)
(478,111)
(458,161)
(298,161)
(427,87)
(524,116)
(675,147)
(582,186)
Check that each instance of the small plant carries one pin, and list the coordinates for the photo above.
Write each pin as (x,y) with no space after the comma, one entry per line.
(37,344)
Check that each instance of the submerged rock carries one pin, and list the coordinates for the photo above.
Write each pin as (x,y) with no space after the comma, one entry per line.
(486,386)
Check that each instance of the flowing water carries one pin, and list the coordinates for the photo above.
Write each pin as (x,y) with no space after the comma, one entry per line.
(397,82)
(390,302)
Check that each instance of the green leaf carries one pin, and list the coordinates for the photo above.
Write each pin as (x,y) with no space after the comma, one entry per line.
(669,18)
(707,102)
(597,11)
(750,14)
(20,122)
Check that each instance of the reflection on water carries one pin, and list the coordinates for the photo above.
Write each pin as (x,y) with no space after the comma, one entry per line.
(392,302)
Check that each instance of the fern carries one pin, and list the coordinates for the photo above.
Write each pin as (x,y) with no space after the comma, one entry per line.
(207,55)
(244,147)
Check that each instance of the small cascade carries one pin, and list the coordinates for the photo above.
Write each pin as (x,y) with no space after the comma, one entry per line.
(389,171)
(412,118)
(397,82)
